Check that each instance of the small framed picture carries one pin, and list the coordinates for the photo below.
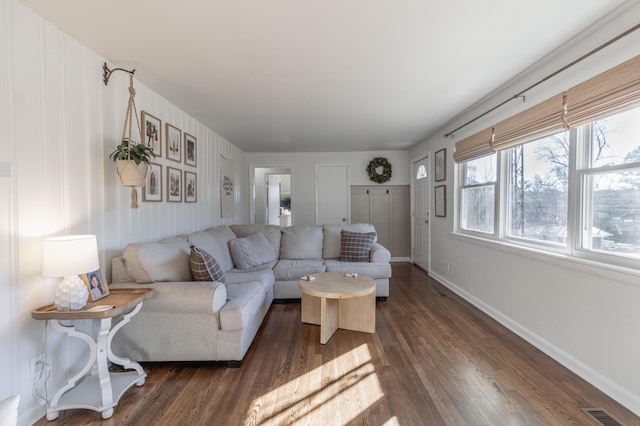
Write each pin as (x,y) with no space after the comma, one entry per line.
(96,284)
(190,187)
(441,201)
(441,165)
(174,185)
(174,147)
(153,183)
(190,150)
(152,133)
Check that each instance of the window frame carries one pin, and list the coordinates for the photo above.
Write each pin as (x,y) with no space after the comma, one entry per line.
(462,176)
(579,208)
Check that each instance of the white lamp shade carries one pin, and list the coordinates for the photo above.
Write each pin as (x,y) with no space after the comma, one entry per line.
(70,255)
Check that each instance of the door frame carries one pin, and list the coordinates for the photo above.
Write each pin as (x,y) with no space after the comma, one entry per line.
(281,169)
(412,184)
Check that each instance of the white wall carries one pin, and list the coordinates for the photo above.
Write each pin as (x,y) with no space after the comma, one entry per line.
(59,123)
(303,166)
(584,316)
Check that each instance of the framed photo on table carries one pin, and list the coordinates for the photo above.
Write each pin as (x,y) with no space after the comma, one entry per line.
(153,183)
(174,185)
(190,150)
(174,147)
(152,133)
(96,284)
(441,165)
(190,187)
(441,201)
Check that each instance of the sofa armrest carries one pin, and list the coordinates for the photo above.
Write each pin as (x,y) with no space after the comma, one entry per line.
(379,254)
(203,297)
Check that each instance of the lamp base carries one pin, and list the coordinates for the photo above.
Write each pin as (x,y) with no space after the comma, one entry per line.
(72,294)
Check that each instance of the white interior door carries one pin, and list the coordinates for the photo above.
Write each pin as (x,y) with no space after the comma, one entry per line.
(332,194)
(421,213)
(273,199)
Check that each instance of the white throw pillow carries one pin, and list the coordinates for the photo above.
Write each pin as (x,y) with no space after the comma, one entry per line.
(251,251)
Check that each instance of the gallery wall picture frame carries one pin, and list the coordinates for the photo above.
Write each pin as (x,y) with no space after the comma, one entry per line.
(441,200)
(174,145)
(190,187)
(96,284)
(152,133)
(153,183)
(441,165)
(190,150)
(174,185)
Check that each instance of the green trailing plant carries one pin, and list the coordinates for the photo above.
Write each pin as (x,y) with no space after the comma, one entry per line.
(138,153)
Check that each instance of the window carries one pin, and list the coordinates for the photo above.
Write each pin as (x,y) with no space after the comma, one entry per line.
(530,181)
(538,189)
(610,186)
(598,161)
(477,211)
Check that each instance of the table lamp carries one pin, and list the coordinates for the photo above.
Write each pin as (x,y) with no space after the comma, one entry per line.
(68,257)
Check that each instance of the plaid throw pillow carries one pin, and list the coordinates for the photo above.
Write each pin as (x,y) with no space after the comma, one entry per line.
(205,267)
(355,246)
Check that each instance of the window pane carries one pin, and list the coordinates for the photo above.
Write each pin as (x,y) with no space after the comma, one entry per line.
(538,189)
(481,170)
(477,212)
(616,139)
(614,209)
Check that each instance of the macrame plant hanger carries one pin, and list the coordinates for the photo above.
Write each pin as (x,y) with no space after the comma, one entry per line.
(126,134)
(132,111)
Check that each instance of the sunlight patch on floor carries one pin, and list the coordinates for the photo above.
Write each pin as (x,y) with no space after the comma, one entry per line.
(335,393)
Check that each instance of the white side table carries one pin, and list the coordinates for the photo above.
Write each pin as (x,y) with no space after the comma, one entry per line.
(99,390)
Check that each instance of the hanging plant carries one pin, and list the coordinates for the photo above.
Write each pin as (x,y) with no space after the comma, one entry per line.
(132,159)
(372,170)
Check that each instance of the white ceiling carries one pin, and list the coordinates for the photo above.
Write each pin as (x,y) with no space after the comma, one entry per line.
(324,75)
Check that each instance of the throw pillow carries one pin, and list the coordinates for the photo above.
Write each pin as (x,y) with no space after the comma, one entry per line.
(355,246)
(251,251)
(205,267)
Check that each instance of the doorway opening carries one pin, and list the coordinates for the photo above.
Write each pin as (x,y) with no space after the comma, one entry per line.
(272,202)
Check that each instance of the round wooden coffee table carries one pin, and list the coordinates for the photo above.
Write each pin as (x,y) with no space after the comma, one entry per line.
(335,301)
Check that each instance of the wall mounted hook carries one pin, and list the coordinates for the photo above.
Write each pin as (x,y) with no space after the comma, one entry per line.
(106,72)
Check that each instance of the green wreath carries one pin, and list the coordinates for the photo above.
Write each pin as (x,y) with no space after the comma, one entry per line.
(371,169)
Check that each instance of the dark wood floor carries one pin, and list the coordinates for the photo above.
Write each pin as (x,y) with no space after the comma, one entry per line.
(434,360)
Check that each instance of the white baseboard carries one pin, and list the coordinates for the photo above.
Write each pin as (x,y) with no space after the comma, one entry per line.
(603,383)
(400,259)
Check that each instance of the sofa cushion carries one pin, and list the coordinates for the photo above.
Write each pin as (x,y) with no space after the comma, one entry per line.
(205,267)
(355,246)
(301,242)
(222,234)
(250,251)
(290,269)
(165,260)
(370,269)
(333,238)
(272,232)
(206,241)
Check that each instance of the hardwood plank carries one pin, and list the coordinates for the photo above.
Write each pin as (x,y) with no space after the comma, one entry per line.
(434,359)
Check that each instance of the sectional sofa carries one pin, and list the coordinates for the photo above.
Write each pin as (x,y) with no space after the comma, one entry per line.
(213,288)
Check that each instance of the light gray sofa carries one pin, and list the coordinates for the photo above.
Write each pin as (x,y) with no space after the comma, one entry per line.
(189,320)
